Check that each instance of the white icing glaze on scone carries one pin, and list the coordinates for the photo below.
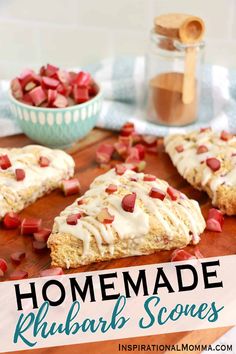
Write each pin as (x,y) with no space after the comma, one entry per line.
(15,195)
(193,167)
(183,214)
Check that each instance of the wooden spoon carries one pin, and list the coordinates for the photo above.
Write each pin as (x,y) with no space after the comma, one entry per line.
(190,32)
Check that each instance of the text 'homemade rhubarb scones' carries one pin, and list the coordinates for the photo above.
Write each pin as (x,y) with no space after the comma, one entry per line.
(28,173)
(123,214)
(207,160)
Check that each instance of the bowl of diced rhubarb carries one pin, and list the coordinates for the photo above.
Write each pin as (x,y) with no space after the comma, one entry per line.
(55,107)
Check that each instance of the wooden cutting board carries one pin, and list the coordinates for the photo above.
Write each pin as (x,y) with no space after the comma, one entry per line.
(212,244)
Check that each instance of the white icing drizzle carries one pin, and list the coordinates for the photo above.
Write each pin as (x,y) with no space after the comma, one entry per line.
(151,207)
(79,230)
(107,237)
(131,226)
(93,230)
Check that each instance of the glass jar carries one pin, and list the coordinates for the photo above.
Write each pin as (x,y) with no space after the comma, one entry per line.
(170,64)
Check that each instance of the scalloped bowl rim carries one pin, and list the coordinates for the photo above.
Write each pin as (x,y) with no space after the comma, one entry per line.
(46,109)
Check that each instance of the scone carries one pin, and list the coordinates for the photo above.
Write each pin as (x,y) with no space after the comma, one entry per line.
(28,173)
(124,214)
(207,160)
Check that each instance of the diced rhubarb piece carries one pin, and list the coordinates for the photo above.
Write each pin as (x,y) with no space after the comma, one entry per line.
(11,220)
(203,130)
(17,257)
(3,267)
(120,169)
(39,246)
(52,95)
(72,219)
(20,174)
(42,71)
(18,275)
(27,99)
(213,163)
(104,153)
(141,151)
(105,217)
(44,161)
(215,220)
(127,129)
(133,179)
(5,163)
(16,89)
(70,186)
(216,214)
(140,166)
(28,76)
(81,201)
(112,188)
(128,202)
(50,83)
(133,153)
(149,178)
(64,90)
(25,77)
(181,255)
(126,140)
(63,76)
(60,101)
(73,77)
(68,91)
(83,79)
(137,138)
(225,135)
(50,70)
(213,225)
(51,272)
(93,89)
(38,95)
(121,149)
(71,101)
(173,193)
(30,225)
(30,86)
(201,149)
(157,193)
(132,160)
(179,148)
(149,140)
(80,94)
(61,89)
(42,235)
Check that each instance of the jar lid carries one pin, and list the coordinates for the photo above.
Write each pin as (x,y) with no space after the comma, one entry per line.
(184,27)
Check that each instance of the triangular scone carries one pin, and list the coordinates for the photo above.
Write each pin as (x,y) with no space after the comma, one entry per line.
(207,160)
(153,225)
(28,173)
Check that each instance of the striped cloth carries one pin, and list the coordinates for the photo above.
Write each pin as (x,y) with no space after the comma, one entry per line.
(123,81)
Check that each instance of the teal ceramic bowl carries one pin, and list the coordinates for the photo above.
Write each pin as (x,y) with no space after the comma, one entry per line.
(55,127)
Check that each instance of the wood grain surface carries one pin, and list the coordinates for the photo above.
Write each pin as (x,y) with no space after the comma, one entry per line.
(212,244)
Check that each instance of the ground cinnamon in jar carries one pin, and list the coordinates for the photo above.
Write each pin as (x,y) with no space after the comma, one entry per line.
(173,78)
(166,100)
